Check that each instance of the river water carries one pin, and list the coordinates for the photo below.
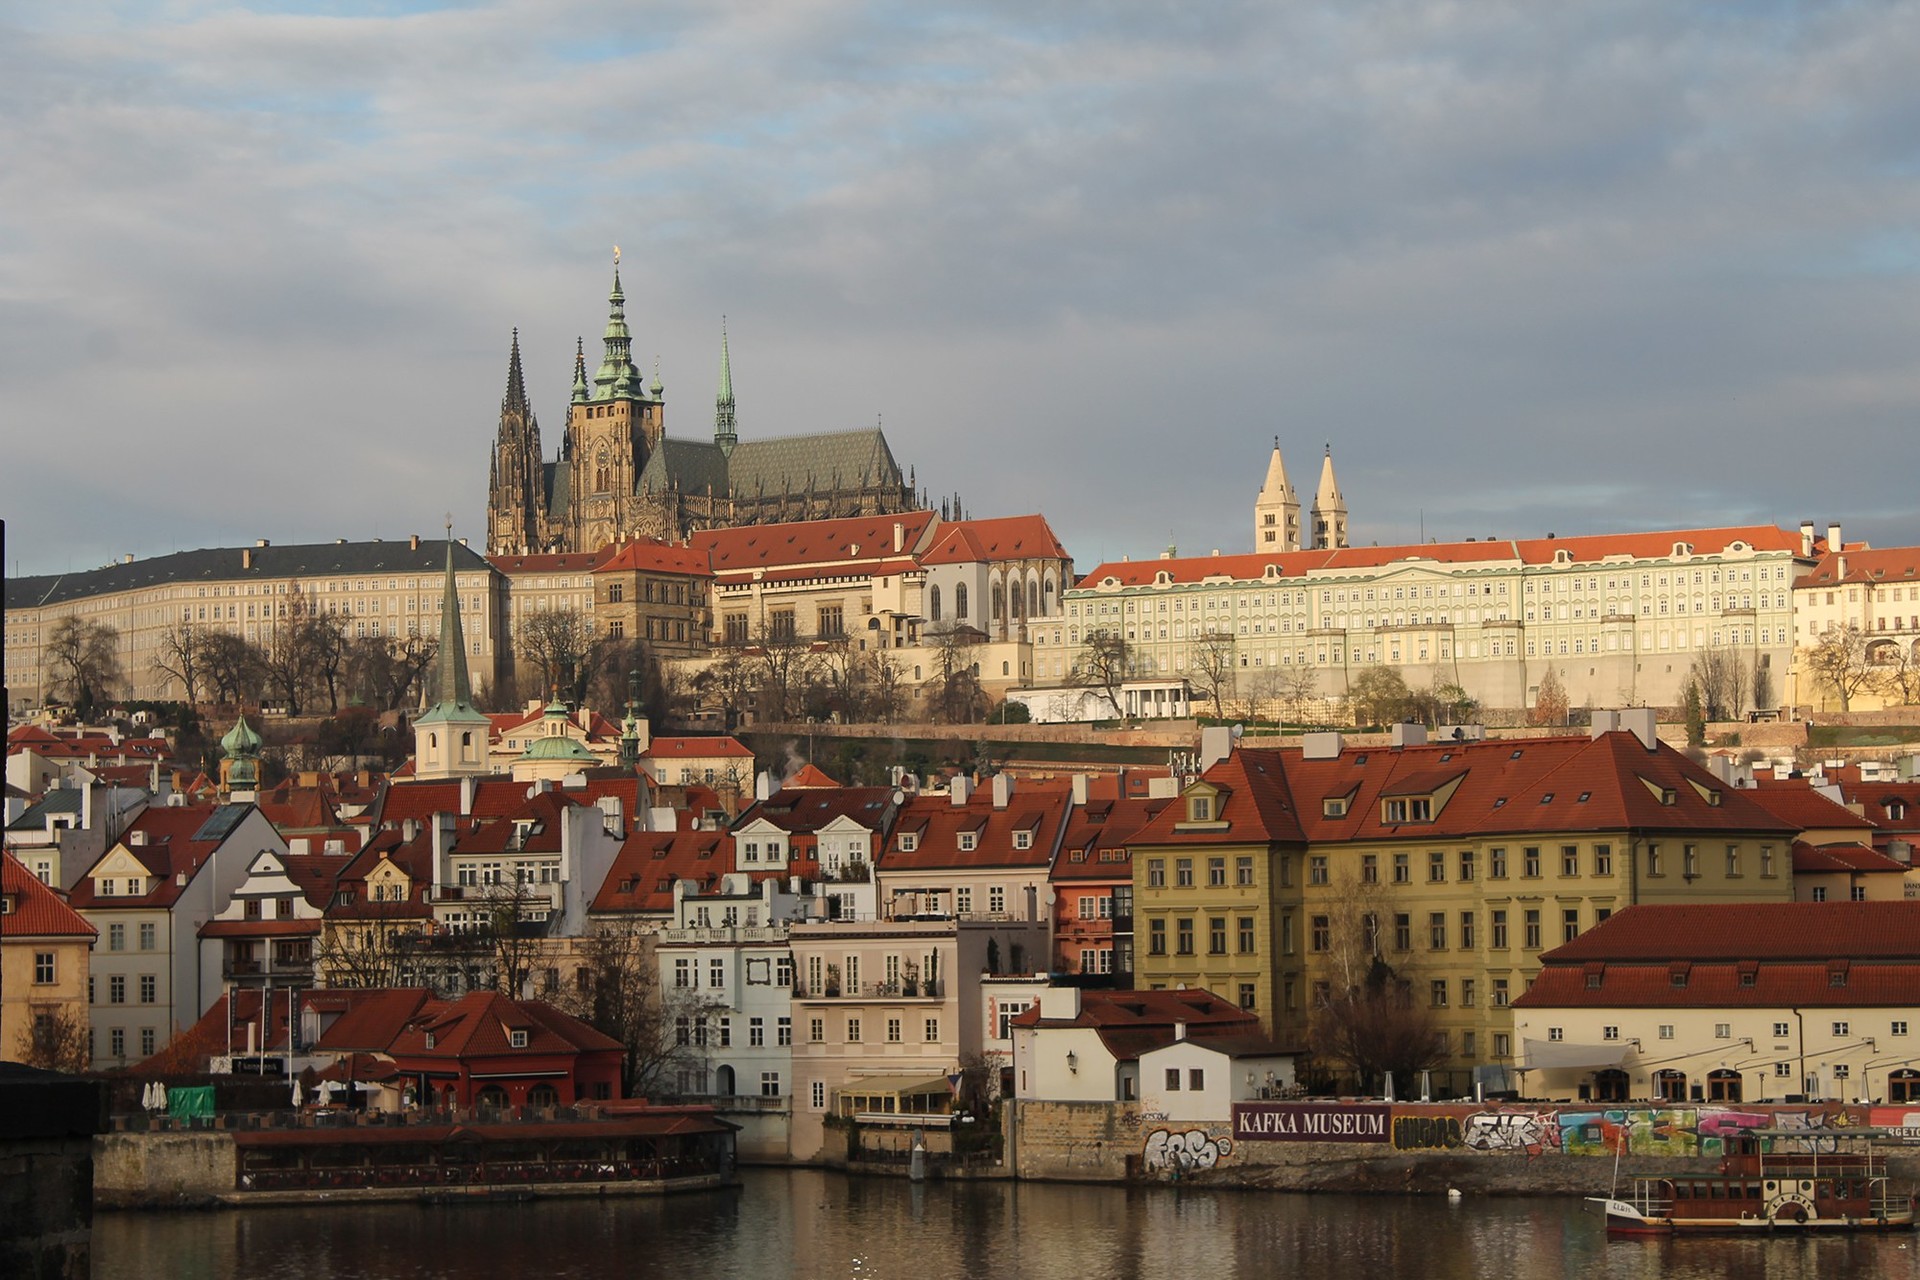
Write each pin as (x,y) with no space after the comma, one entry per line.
(807,1223)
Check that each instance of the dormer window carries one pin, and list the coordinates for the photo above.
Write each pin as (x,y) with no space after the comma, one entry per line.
(1023,839)
(107,887)
(968,841)
(430,1040)
(1407,809)
(517,1039)
(1200,808)
(909,841)
(1333,807)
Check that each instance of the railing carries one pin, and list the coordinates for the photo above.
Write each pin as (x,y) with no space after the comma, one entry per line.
(931,990)
(747,933)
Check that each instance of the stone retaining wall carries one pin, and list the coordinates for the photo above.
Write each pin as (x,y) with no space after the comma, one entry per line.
(155,1170)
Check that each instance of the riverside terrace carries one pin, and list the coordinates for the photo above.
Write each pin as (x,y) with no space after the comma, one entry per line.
(245,1158)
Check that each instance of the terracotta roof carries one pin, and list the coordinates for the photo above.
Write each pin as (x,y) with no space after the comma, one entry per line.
(845,542)
(985,541)
(810,777)
(1751,931)
(547,562)
(1725,986)
(38,912)
(1533,786)
(174,846)
(649,556)
(641,878)
(534,827)
(1096,845)
(1795,802)
(804,810)
(1810,859)
(1881,564)
(1881,799)
(372,1019)
(937,824)
(1584,550)
(694,748)
(1132,1022)
(479,1025)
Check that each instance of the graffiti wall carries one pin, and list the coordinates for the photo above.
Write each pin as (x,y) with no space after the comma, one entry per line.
(1603,1131)
(1172,1152)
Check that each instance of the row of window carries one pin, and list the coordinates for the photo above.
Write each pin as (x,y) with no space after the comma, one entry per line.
(1183,945)
(896,1030)
(117,933)
(116,987)
(1183,868)
(717,1032)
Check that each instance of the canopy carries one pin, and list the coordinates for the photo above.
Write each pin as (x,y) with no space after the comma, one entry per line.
(1558,1055)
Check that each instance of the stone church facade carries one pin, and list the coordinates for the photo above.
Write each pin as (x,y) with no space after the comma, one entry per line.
(619,475)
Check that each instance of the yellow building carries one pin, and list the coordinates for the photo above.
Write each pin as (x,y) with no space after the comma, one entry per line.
(44,949)
(1283,878)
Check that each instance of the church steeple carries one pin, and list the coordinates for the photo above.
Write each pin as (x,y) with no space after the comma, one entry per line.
(516,499)
(724,432)
(617,379)
(1276,512)
(1329,509)
(580,371)
(450,737)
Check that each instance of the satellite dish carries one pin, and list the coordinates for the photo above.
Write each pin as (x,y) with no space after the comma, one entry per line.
(1239,731)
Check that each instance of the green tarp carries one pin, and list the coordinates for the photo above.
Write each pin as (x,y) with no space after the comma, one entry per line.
(188,1103)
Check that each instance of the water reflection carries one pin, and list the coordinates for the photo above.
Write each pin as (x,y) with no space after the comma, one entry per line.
(807,1224)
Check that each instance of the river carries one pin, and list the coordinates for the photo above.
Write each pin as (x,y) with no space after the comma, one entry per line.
(807,1223)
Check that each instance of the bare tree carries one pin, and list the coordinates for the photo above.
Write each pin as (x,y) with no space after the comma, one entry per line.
(1299,691)
(234,668)
(956,695)
(56,1039)
(557,642)
(386,671)
(1839,665)
(618,993)
(1105,663)
(1365,1016)
(1722,679)
(839,689)
(1900,675)
(370,947)
(726,685)
(83,662)
(782,661)
(1211,662)
(178,656)
(513,933)
(886,685)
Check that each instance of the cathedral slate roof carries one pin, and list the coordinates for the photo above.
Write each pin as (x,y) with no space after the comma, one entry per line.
(686,466)
(833,460)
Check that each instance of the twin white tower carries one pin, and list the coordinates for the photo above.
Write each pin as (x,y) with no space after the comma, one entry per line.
(1276,513)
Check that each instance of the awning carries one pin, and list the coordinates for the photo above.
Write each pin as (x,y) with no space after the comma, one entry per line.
(1558,1055)
(904,1086)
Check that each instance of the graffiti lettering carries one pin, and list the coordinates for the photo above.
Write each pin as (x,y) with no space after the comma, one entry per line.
(1426,1133)
(1510,1131)
(1170,1152)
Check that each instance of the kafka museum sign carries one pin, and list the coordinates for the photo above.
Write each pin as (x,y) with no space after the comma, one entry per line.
(1312,1122)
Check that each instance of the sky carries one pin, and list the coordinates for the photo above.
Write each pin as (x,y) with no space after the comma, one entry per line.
(1525,267)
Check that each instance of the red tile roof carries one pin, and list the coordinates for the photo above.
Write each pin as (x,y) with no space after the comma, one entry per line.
(937,824)
(862,541)
(649,556)
(478,1025)
(370,1020)
(1096,845)
(641,878)
(804,810)
(1795,802)
(695,748)
(169,852)
(38,912)
(1584,550)
(1809,859)
(1882,564)
(554,562)
(810,777)
(985,541)
(1751,931)
(1725,986)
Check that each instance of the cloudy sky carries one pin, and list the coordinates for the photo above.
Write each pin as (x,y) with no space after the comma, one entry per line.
(1527,267)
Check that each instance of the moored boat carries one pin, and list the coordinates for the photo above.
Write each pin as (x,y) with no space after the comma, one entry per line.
(1771,1180)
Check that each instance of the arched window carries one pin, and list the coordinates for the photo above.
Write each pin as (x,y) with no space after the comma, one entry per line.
(543,1095)
(999,602)
(433,742)
(960,603)
(1670,1085)
(1723,1086)
(933,603)
(1033,597)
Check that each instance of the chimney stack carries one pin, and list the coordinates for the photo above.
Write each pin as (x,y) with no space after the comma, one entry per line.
(1002,790)
(1806,539)
(1834,543)
(957,789)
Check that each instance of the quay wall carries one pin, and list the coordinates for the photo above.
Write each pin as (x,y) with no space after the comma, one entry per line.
(155,1170)
(1491,1149)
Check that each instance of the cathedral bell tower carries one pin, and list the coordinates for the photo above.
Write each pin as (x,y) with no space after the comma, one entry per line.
(517,491)
(614,425)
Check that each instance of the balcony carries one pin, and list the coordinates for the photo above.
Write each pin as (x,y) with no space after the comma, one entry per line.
(935,990)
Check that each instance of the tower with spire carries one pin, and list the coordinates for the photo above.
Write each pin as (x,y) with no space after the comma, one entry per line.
(1329,509)
(1276,512)
(724,433)
(517,490)
(450,737)
(614,424)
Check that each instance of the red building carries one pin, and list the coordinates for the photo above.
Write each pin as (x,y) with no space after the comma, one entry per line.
(487,1050)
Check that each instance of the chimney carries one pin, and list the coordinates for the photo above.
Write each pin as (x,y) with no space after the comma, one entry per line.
(1840,568)
(1062,1003)
(1806,539)
(1080,789)
(261,542)
(1002,790)
(246,557)
(413,543)
(1180,1030)
(1833,538)
(1604,722)
(957,789)
(762,785)
(466,796)
(1216,744)
(127,558)
(1639,721)
(899,537)
(1409,735)
(1321,746)
(137,839)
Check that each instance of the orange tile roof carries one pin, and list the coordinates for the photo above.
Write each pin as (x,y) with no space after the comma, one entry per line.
(1096,843)
(937,824)
(811,542)
(641,878)
(1750,931)
(649,556)
(557,562)
(38,912)
(984,541)
(695,748)
(1794,801)
(1883,564)
(1812,859)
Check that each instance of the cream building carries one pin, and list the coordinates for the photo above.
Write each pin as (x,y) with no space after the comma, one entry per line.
(1876,592)
(1619,617)
(376,588)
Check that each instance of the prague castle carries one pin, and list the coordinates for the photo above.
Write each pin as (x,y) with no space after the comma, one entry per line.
(618,474)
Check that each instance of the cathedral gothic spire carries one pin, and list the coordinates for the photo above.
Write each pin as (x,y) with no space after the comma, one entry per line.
(516,503)
(724,432)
